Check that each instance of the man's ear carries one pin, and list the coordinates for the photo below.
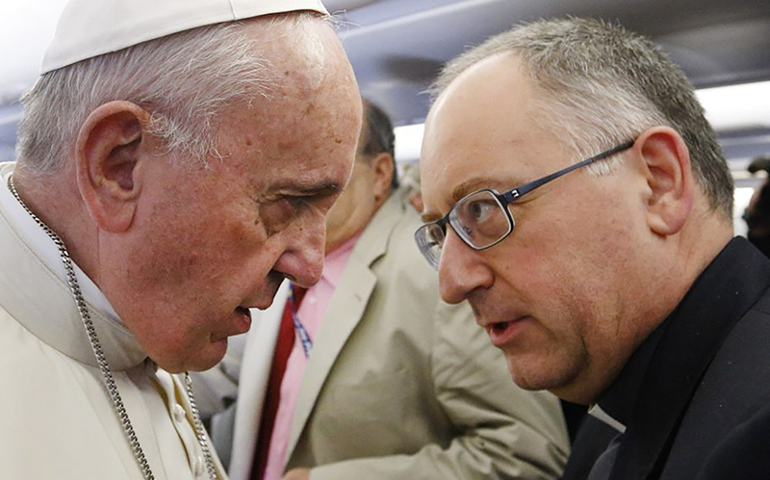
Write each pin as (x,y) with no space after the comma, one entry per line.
(382,166)
(666,164)
(109,156)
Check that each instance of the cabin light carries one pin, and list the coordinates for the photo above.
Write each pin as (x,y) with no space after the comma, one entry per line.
(409,142)
(734,107)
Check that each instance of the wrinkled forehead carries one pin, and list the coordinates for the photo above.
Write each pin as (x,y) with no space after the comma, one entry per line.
(309,76)
(308,121)
(303,49)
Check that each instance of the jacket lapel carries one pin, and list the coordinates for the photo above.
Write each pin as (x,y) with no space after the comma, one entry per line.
(345,311)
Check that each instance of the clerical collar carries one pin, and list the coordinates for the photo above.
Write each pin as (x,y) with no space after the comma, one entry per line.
(41,243)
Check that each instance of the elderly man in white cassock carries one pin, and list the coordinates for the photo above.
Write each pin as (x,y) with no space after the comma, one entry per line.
(176,162)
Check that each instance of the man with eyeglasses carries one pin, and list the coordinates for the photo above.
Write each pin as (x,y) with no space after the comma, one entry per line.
(576,196)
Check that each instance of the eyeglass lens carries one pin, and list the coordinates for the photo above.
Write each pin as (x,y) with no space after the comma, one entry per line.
(480,219)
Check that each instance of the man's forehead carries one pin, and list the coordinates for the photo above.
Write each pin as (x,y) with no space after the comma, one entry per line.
(484,105)
(458,162)
(461,180)
(480,134)
(501,161)
(499,77)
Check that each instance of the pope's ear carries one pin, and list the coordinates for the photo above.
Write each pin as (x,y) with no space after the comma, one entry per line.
(666,164)
(109,158)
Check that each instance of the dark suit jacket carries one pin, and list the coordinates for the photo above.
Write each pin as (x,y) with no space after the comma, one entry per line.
(703,398)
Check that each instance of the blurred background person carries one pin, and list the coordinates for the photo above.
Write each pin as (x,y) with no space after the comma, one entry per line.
(757,214)
(410,187)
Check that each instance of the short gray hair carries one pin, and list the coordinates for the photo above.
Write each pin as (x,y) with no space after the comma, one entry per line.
(185,80)
(604,85)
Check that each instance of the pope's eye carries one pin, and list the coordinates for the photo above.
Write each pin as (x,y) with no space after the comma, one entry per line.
(276,215)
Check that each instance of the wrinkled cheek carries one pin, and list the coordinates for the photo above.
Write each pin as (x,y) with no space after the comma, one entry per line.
(163,266)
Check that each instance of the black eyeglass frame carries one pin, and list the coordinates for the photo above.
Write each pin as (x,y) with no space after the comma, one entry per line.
(504,199)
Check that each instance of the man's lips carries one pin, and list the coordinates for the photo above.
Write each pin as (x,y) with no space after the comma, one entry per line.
(239,325)
(269,292)
(502,333)
(244,320)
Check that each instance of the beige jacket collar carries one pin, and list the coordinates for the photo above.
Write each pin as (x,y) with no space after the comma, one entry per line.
(345,310)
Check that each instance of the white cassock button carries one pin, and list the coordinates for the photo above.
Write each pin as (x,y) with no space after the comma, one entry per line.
(178,413)
(198,466)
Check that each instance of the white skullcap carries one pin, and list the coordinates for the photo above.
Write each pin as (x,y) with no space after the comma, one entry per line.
(89,28)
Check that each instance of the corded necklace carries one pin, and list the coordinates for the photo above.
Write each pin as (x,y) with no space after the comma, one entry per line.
(101,360)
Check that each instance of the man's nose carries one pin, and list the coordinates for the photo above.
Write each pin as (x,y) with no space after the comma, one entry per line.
(303,259)
(460,269)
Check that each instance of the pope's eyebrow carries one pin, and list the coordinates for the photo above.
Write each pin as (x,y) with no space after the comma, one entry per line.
(324,188)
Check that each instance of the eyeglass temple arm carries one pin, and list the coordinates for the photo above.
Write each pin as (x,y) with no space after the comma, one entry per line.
(515,193)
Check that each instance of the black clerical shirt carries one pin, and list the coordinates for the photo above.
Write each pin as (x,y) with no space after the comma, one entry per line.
(653,392)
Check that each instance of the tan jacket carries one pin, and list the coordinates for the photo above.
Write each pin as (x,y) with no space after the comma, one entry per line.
(56,419)
(400,385)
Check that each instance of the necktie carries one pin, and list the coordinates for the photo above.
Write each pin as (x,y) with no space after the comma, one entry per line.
(283,347)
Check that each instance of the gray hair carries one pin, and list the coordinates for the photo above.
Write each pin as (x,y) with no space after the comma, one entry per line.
(604,85)
(185,80)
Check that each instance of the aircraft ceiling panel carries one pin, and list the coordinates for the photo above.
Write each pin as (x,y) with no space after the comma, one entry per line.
(397,46)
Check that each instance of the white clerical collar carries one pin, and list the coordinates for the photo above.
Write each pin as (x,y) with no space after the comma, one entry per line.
(596,411)
(34,236)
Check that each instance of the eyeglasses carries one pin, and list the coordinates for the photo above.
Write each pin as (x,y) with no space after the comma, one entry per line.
(482,219)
